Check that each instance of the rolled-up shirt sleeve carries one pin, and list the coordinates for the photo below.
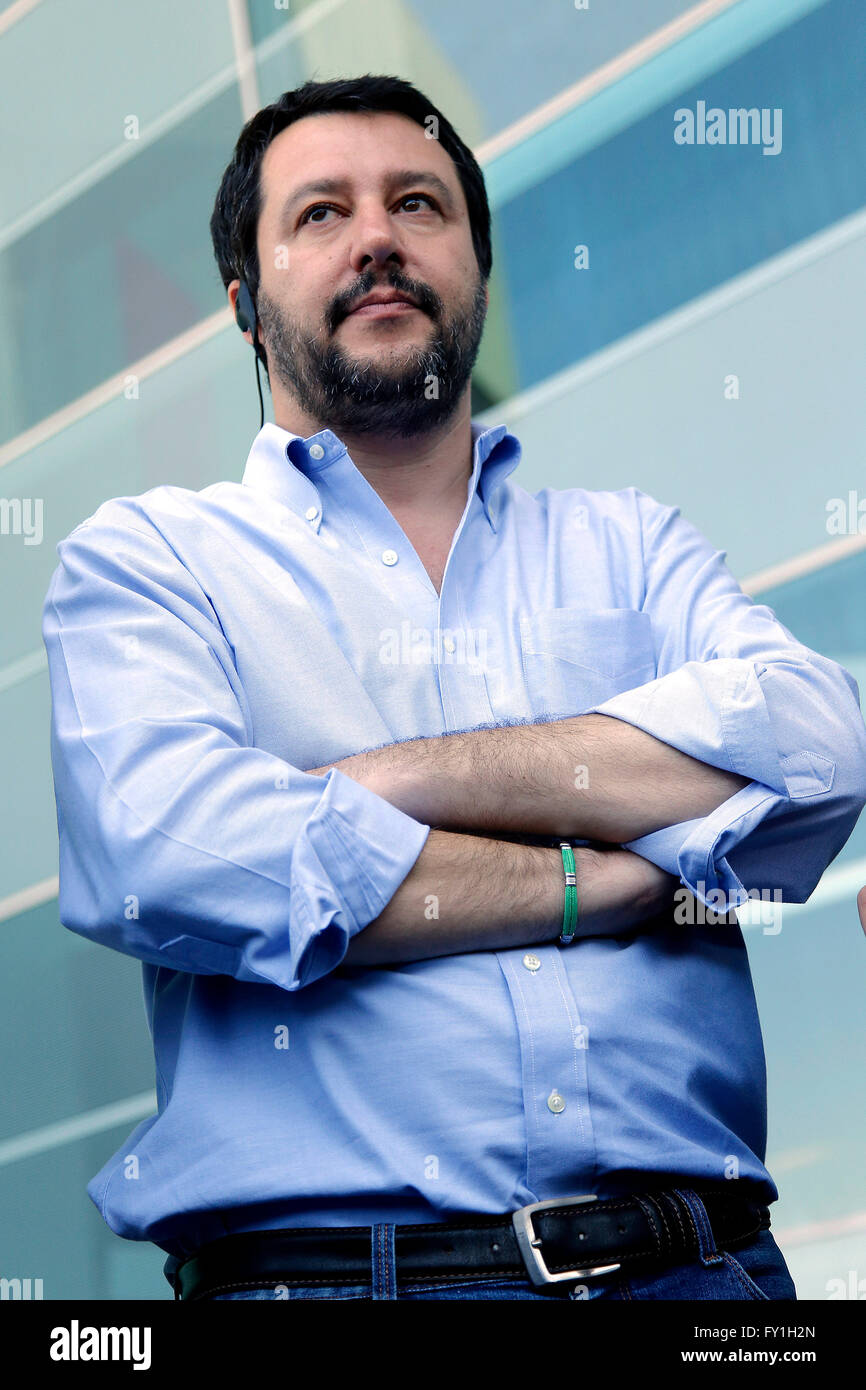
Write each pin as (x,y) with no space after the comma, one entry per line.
(736,690)
(180,842)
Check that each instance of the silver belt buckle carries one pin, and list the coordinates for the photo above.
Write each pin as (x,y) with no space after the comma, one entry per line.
(529,1242)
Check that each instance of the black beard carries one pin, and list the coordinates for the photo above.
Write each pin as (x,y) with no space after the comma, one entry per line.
(356,396)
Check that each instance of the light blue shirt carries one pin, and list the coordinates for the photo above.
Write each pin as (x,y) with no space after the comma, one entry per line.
(207,647)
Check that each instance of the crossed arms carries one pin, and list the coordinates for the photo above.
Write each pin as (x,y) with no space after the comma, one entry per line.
(245,865)
(589,777)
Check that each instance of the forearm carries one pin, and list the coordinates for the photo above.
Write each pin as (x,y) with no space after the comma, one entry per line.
(468,893)
(591,777)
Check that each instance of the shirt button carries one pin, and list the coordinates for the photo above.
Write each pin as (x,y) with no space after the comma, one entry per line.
(531,962)
(316,451)
(555,1102)
(451,646)
(311,513)
(389,557)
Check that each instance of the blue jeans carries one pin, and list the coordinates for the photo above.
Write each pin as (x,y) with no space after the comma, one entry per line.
(754,1272)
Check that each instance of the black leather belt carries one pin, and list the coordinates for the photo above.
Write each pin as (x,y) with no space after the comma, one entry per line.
(553,1243)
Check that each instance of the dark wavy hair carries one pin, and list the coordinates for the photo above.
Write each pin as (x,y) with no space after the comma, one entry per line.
(234,221)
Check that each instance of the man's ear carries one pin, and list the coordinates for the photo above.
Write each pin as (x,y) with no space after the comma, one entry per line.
(232,293)
(239,312)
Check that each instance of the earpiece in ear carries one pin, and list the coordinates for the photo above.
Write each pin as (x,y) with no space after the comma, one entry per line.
(245,310)
(247,321)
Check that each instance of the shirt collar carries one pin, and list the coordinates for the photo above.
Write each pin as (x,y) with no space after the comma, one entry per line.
(289,467)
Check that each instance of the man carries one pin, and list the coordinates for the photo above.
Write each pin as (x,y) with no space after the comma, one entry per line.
(322,742)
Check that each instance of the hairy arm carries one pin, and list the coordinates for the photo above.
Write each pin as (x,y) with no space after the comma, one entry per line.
(468,893)
(591,777)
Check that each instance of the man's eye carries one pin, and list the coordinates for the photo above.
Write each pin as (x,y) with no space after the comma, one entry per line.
(316,208)
(328,207)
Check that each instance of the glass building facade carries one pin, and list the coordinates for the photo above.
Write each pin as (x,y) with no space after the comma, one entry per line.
(691,315)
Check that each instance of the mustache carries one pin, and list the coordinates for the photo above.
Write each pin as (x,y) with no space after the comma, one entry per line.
(425,298)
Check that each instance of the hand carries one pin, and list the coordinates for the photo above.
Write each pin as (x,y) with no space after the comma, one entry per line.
(659,885)
(322,771)
(407,785)
(643,890)
(353,766)
(367,769)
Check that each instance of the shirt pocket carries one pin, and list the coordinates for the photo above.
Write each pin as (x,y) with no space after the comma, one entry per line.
(574,659)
